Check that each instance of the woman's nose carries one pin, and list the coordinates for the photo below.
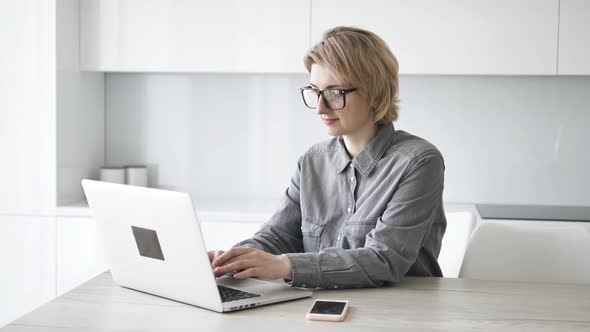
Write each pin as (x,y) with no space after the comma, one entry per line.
(322,108)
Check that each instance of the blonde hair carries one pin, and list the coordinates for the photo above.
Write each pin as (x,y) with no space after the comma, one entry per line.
(362,59)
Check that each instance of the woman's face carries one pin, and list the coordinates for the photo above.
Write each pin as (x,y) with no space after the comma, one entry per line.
(354,118)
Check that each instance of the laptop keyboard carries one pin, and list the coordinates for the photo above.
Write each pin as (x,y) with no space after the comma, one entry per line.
(231,294)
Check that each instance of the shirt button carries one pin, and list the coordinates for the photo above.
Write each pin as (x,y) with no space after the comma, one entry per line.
(352,179)
(349,209)
(339,237)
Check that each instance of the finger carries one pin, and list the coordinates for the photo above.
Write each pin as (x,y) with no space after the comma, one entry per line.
(248,273)
(238,265)
(218,274)
(248,255)
(212,254)
(236,251)
(217,254)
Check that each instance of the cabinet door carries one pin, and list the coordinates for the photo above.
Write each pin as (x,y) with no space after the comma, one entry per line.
(27,253)
(502,37)
(266,36)
(574,37)
(80,253)
(27,107)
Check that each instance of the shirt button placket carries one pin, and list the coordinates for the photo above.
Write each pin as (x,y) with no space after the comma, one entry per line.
(352,179)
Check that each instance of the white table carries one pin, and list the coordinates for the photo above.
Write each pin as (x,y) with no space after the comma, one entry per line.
(419,304)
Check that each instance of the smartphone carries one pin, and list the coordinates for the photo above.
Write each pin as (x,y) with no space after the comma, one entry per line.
(328,310)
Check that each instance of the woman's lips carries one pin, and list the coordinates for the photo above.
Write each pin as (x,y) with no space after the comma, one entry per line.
(328,122)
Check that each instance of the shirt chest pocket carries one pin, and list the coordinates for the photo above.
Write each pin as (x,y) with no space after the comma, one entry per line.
(312,232)
(355,233)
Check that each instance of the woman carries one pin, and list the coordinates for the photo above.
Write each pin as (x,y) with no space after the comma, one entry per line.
(364,208)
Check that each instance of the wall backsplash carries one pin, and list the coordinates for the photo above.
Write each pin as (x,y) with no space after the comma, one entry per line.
(515,140)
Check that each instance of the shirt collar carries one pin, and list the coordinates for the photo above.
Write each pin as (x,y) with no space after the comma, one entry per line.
(366,160)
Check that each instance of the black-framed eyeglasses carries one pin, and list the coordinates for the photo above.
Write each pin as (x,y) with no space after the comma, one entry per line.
(334,99)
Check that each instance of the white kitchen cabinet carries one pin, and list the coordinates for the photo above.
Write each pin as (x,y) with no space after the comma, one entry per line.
(460,225)
(574,37)
(52,127)
(27,252)
(80,252)
(463,37)
(27,106)
(261,36)
(51,135)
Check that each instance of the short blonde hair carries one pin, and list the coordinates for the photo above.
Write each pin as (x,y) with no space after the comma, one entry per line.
(362,59)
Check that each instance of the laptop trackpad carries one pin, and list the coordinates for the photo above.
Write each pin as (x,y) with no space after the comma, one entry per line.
(250,285)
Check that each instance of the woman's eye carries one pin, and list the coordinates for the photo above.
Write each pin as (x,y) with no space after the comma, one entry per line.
(330,94)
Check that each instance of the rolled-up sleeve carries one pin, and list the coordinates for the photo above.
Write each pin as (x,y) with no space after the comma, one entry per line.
(390,249)
(282,233)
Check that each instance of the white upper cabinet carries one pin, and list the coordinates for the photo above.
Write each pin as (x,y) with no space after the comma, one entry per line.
(261,36)
(574,37)
(482,37)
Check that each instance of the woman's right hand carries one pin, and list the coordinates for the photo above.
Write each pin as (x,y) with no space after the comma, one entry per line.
(213,254)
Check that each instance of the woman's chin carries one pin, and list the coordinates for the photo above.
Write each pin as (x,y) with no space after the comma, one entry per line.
(335,131)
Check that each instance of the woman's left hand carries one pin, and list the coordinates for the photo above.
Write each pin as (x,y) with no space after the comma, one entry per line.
(248,262)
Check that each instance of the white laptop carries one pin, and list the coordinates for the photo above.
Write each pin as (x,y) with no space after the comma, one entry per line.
(154,244)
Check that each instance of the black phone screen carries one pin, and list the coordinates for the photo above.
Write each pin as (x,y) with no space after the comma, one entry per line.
(328,307)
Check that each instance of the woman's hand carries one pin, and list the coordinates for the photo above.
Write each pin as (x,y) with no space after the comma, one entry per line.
(213,255)
(248,262)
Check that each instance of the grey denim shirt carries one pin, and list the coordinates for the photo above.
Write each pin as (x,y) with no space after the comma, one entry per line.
(361,222)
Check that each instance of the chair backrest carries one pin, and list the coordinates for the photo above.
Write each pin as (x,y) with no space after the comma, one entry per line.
(460,225)
(529,252)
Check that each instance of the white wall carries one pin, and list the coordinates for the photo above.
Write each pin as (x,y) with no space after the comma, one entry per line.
(216,136)
(80,110)
(505,139)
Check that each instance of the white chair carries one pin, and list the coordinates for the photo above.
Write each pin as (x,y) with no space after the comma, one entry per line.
(459,228)
(531,252)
